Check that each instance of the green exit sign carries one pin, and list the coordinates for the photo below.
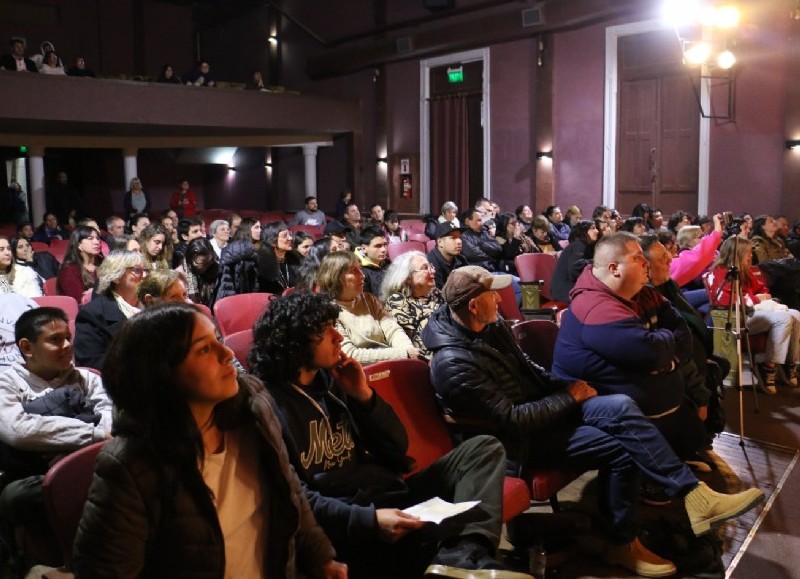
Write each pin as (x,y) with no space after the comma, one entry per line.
(455,75)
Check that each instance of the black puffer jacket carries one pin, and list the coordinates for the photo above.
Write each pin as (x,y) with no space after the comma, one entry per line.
(126,531)
(238,273)
(486,376)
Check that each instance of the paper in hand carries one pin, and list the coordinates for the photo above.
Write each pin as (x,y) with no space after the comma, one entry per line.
(436,510)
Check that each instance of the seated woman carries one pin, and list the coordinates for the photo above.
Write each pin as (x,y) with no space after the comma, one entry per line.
(301,243)
(410,294)
(78,273)
(42,262)
(308,270)
(49,230)
(635,225)
(125,242)
(14,278)
(767,246)
(370,333)
(51,64)
(162,285)
(766,315)
(197,468)
(394,231)
(201,267)
(543,240)
(574,259)
(277,262)
(136,200)
(220,232)
(155,246)
(513,241)
(238,273)
(115,301)
(525,217)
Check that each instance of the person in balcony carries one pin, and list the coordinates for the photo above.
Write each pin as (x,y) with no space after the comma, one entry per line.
(184,200)
(51,64)
(136,200)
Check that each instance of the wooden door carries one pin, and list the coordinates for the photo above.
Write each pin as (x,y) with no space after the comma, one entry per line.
(658,128)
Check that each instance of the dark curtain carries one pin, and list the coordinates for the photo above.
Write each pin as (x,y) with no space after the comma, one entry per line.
(450,151)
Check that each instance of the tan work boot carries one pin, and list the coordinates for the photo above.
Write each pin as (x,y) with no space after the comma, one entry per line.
(707,508)
(637,558)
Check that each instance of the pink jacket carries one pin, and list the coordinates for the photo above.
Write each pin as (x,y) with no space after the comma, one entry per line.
(687,265)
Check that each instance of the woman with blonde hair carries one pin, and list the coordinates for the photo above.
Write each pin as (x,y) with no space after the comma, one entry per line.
(114,302)
(136,200)
(410,294)
(370,332)
(162,285)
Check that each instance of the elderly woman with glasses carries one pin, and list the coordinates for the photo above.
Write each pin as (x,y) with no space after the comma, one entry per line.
(409,291)
(277,261)
(115,301)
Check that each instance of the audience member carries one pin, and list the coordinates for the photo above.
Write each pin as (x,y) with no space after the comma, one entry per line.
(200,76)
(189,228)
(573,215)
(338,235)
(155,248)
(12,307)
(541,236)
(628,339)
(301,243)
(190,430)
(136,200)
(525,216)
(394,231)
(479,248)
(357,489)
(277,263)
(51,64)
(115,226)
(183,200)
(168,76)
(169,219)
(16,60)
(39,58)
(449,214)
(15,278)
(678,220)
(42,262)
(767,245)
(78,68)
(307,272)
(635,225)
(372,254)
(49,229)
(201,267)
(410,294)
(78,272)
(163,285)
(310,215)
(256,81)
(574,259)
(341,205)
(25,229)
(125,242)
(48,408)
(762,313)
(220,231)
(642,210)
(559,229)
(656,221)
(114,302)
(376,214)
(370,333)
(513,241)
(480,373)
(238,272)
(446,256)
(64,199)
(352,220)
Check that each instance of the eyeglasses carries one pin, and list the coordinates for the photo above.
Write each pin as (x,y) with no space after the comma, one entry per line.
(426,268)
(139,271)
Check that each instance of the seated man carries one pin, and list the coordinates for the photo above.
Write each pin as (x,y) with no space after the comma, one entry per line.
(349,448)
(372,254)
(480,248)
(48,408)
(480,373)
(310,215)
(446,256)
(626,338)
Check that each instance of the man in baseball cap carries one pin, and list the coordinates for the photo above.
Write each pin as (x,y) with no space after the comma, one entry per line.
(446,256)
(470,281)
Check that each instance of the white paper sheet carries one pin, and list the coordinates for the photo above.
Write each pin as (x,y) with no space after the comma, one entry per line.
(436,510)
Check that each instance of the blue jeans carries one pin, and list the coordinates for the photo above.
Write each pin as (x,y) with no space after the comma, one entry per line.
(614,437)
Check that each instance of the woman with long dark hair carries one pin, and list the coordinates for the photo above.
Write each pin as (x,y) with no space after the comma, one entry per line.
(574,259)
(78,272)
(277,261)
(196,481)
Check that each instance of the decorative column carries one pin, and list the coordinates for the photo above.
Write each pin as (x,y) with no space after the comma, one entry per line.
(310,155)
(36,185)
(131,166)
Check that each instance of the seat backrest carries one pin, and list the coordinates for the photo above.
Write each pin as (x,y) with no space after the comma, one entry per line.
(240,343)
(395,249)
(66,303)
(51,287)
(65,488)
(430,244)
(58,247)
(406,386)
(39,246)
(537,266)
(509,308)
(421,237)
(240,312)
(537,338)
(315,231)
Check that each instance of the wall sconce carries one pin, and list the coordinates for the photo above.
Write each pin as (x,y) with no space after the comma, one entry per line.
(793,144)
(542,155)
(383,160)
(273,40)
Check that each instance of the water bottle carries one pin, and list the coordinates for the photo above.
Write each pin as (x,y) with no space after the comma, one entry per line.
(537,561)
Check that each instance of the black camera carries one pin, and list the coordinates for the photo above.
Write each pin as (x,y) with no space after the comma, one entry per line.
(733,226)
